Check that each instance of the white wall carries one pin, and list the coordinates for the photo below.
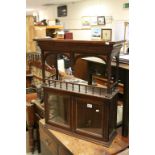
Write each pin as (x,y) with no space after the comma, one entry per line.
(76,10)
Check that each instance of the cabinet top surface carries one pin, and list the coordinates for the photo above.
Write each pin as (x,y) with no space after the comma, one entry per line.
(79,41)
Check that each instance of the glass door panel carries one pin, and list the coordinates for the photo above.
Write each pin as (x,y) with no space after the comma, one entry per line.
(89,117)
(59,109)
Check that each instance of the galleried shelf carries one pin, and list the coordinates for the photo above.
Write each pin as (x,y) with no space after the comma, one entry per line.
(83,110)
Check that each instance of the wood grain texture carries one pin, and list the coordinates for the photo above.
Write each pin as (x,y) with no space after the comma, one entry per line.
(81,147)
(30,44)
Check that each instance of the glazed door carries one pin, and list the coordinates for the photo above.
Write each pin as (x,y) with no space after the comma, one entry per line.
(58,110)
(88,118)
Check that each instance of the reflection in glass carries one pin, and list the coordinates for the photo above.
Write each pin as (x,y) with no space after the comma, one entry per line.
(59,107)
(89,117)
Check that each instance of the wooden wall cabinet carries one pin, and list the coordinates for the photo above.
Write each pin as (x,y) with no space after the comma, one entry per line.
(66,103)
(90,116)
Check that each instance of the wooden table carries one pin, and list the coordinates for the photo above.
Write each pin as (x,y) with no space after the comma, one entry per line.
(72,145)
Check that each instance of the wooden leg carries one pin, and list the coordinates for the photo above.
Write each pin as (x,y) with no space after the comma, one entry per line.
(31,139)
(125,127)
(30,125)
(38,138)
(89,74)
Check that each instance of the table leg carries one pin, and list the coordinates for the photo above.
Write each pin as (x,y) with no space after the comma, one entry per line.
(30,123)
(125,126)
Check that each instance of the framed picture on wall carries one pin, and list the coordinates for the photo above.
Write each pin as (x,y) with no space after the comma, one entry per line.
(101,20)
(106,34)
(96,33)
(86,22)
(62,11)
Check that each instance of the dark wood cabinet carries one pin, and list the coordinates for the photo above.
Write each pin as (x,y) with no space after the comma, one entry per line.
(69,106)
(90,116)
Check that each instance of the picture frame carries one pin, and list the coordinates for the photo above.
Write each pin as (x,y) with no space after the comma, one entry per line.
(108,19)
(86,22)
(101,20)
(96,33)
(62,11)
(106,34)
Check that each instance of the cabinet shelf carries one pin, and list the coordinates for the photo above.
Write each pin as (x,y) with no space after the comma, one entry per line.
(43,31)
(54,27)
(50,27)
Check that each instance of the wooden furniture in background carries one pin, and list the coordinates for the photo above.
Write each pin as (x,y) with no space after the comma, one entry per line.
(80,69)
(33,31)
(35,112)
(30,125)
(29,78)
(31,96)
(34,69)
(30,117)
(30,34)
(43,31)
(30,122)
(39,113)
(58,143)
